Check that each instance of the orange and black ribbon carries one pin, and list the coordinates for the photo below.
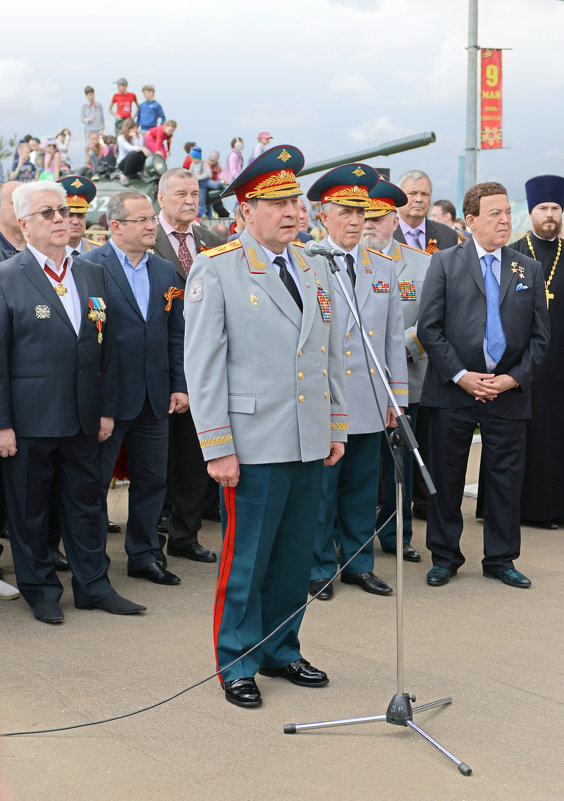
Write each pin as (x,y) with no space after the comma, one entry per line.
(171,293)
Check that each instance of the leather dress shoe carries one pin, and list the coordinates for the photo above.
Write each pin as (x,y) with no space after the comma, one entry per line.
(367,582)
(194,551)
(60,561)
(117,605)
(511,577)
(549,524)
(319,584)
(438,576)
(409,553)
(162,525)
(113,528)
(299,672)
(160,559)
(48,612)
(154,573)
(242,692)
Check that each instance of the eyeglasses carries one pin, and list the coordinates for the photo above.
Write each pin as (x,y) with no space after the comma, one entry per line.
(48,214)
(143,220)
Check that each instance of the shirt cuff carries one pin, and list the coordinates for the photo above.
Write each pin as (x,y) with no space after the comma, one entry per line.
(458,376)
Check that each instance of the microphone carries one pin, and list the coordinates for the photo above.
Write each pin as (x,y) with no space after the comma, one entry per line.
(312,248)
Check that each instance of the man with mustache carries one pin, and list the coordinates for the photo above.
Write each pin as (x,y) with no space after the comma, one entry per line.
(192,494)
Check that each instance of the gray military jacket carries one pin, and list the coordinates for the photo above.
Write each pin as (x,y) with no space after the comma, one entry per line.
(265,380)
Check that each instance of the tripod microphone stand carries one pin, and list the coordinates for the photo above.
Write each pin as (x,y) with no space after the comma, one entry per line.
(400,711)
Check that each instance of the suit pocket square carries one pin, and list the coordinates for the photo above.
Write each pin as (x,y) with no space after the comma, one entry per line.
(521,286)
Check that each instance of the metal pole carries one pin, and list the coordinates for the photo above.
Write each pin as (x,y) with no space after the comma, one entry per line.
(472,96)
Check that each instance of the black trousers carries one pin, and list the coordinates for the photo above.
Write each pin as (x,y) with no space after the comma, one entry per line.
(133,163)
(190,488)
(72,465)
(503,443)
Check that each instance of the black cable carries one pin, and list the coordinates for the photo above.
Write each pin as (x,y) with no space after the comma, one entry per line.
(211,676)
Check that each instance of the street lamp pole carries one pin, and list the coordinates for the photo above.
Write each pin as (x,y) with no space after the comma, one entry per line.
(470,175)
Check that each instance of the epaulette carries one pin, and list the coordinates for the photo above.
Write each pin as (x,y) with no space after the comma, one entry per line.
(379,253)
(417,250)
(91,242)
(226,248)
(297,243)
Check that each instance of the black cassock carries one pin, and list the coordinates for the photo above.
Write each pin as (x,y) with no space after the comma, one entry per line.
(542,496)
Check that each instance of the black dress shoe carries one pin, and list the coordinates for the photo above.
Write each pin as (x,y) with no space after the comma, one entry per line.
(409,553)
(439,576)
(511,577)
(48,612)
(242,692)
(194,551)
(154,573)
(162,541)
(162,525)
(113,528)
(319,584)
(299,672)
(117,605)
(549,524)
(60,561)
(368,582)
(160,559)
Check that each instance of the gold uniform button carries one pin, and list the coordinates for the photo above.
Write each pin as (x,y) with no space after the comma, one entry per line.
(349,335)
(325,394)
(348,353)
(324,371)
(301,398)
(349,372)
(300,375)
(323,349)
(371,333)
(299,353)
(372,370)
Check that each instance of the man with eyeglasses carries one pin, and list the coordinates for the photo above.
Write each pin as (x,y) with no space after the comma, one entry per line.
(57,403)
(147,302)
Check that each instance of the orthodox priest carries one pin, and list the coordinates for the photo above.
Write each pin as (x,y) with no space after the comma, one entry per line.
(542,497)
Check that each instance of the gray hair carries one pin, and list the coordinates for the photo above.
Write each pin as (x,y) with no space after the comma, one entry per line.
(23,195)
(116,207)
(179,172)
(413,175)
(326,206)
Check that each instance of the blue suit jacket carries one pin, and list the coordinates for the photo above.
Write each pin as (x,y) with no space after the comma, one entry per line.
(150,352)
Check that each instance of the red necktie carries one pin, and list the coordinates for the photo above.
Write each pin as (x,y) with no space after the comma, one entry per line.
(184,255)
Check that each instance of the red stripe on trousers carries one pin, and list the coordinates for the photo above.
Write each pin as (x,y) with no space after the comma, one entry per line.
(226,560)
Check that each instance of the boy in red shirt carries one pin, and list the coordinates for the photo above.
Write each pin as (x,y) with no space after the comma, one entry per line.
(123,101)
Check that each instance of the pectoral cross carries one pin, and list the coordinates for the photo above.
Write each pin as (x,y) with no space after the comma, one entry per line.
(549,296)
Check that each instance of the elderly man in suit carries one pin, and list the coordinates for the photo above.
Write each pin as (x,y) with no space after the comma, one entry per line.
(484,324)
(191,491)
(57,403)
(144,292)
(411,265)
(350,488)
(267,395)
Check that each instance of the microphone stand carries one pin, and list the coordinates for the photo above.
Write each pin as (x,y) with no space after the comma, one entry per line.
(400,711)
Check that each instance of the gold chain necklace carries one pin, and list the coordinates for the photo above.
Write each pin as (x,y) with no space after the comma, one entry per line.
(549,295)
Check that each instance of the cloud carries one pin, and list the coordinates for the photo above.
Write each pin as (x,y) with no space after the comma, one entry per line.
(379,129)
(350,82)
(24,95)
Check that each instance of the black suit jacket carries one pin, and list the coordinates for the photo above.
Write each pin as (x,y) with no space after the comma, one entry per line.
(446,237)
(53,383)
(452,319)
(150,352)
(204,239)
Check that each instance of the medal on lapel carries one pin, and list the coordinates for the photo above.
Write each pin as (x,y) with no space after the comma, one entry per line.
(324,302)
(97,314)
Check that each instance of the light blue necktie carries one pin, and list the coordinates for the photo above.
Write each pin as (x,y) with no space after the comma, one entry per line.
(416,233)
(494,328)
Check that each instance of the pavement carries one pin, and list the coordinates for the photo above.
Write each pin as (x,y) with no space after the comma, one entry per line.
(496,650)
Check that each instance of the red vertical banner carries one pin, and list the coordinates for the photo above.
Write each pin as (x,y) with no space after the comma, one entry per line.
(490,100)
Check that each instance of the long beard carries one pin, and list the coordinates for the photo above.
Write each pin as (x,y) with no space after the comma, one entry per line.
(548,230)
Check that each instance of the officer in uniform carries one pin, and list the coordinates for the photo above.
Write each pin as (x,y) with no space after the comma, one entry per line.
(80,194)
(267,396)
(350,489)
(411,267)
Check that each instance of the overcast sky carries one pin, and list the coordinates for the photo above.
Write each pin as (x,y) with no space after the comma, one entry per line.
(329,76)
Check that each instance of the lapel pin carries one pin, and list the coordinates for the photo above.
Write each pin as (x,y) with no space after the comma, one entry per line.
(254,300)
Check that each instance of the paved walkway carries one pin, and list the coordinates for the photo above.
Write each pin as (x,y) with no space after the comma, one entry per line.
(496,650)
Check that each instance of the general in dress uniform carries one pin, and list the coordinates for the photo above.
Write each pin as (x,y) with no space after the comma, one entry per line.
(266,388)
(81,192)
(350,488)
(411,264)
